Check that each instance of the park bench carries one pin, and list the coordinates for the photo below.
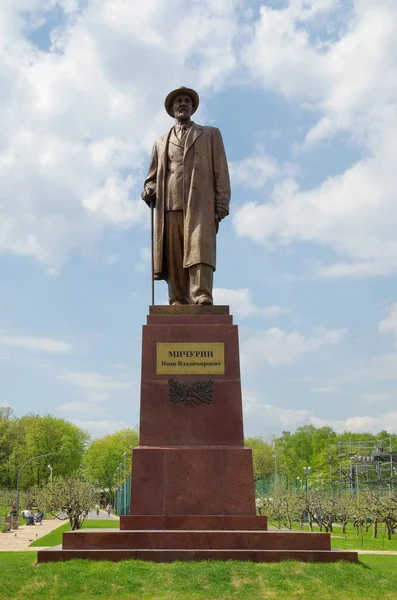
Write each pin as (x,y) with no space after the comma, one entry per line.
(5,525)
(10,522)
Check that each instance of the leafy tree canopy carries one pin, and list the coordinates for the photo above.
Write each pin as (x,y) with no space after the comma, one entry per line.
(33,435)
(104,455)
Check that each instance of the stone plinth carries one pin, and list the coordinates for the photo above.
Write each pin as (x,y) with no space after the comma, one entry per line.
(191,460)
(192,485)
(192,481)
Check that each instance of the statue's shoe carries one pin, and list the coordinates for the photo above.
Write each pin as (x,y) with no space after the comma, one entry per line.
(204,301)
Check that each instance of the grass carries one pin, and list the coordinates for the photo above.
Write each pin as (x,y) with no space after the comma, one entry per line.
(55,537)
(364,541)
(373,578)
(352,541)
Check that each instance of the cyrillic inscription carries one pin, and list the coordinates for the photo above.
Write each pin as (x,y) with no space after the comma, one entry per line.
(190,358)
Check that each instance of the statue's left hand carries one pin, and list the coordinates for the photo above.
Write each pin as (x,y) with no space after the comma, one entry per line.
(149,196)
(217,221)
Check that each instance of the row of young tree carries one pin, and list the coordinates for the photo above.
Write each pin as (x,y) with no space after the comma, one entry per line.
(290,453)
(104,462)
(61,443)
(321,507)
(66,450)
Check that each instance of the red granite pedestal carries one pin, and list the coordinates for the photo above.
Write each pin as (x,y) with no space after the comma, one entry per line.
(192,488)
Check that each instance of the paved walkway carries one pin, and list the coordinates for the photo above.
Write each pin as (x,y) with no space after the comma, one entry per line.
(102,515)
(19,540)
(377,552)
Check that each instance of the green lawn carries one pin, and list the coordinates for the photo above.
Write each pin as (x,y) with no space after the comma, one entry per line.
(364,542)
(55,537)
(351,541)
(373,578)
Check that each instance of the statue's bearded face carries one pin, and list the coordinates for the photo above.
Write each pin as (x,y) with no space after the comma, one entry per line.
(182,106)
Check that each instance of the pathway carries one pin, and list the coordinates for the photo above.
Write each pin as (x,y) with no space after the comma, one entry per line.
(19,540)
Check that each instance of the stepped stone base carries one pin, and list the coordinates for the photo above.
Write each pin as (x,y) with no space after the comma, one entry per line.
(194,540)
(192,484)
(57,554)
(195,522)
(195,545)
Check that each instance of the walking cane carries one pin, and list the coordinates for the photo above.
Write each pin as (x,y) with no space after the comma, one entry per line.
(152,244)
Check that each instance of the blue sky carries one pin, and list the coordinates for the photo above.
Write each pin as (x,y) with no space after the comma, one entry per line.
(304,93)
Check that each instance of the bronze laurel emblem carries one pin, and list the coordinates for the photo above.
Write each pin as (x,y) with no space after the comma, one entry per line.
(199,393)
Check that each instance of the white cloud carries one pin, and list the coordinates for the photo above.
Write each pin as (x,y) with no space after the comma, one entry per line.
(35,343)
(262,415)
(254,171)
(241,304)
(351,82)
(389,324)
(100,428)
(110,260)
(79,407)
(265,418)
(379,397)
(276,311)
(277,347)
(79,117)
(95,381)
(95,394)
(327,390)
(145,259)
(379,368)
(364,423)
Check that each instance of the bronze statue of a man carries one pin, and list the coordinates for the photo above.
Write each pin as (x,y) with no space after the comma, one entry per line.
(188,183)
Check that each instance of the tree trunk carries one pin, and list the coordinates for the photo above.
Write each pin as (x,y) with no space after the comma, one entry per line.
(375,530)
(389,529)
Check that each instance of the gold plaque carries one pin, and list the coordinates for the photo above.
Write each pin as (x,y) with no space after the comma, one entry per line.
(201,358)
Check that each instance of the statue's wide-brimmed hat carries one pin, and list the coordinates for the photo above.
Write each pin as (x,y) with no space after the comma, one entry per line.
(169,101)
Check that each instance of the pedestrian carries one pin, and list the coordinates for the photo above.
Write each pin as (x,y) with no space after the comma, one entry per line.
(27,514)
(97,509)
(108,509)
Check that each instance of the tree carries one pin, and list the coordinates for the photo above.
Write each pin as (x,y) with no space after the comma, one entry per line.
(282,507)
(262,457)
(7,442)
(72,495)
(34,435)
(321,507)
(345,508)
(308,446)
(382,507)
(104,455)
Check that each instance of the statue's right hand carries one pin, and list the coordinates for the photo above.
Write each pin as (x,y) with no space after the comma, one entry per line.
(149,196)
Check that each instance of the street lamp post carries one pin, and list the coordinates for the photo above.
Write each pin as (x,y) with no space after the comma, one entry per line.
(307,471)
(117,485)
(22,468)
(125,487)
(120,480)
(275,468)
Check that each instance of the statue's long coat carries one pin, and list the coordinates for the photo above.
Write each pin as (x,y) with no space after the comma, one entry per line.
(206,188)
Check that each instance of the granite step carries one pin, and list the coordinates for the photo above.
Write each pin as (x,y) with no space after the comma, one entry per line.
(192,522)
(161,555)
(194,540)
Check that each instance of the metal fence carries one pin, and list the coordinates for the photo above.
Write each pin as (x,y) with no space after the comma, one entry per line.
(123,497)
